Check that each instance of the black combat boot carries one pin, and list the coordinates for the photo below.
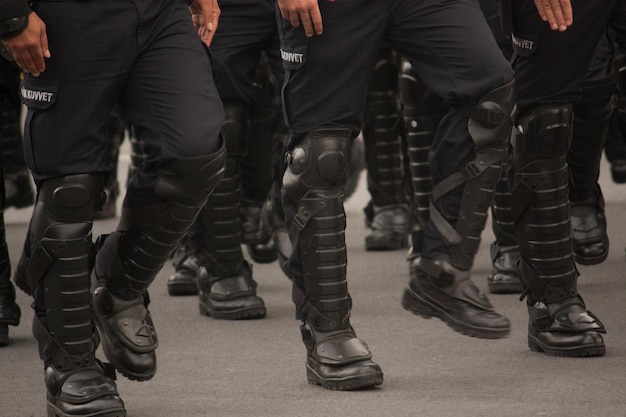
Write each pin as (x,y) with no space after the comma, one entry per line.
(438,289)
(559,323)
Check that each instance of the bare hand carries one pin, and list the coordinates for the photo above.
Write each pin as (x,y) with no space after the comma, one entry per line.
(205,15)
(30,47)
(306,12)
(558,13)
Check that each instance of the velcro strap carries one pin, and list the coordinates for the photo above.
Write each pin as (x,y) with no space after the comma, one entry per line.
(341,349)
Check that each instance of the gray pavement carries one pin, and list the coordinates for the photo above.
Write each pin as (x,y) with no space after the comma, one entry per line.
(208,367)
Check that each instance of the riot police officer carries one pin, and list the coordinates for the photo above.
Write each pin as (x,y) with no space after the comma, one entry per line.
(324,92)
(559,322)
(76,70)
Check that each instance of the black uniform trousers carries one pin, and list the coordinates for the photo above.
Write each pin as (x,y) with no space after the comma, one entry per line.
(246,30)
(449,44)
(147,55)
(550,65)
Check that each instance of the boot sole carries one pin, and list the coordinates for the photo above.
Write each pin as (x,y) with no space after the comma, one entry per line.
(348,384)
(420,307)
(573,352)
(240,314)
(182,289)
(260,259)
(385,244)
(504,288)
(55,412)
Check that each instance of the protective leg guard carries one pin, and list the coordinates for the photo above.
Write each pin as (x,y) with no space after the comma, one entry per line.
(226,287)
(504,277)
(615,148)
(382,134)
(129,259)
(58,264)
(558,321)
(112,186)
(186,260)
(18,187)
(421,111)
(441,287)
(591,124)
(317,169)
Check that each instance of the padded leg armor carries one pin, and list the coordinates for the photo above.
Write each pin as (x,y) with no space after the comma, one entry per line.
(389,218)
(129,259)
(442,287)
(10,312)
(504,277)
(58,264)
(615,149)
(227,289)
(112,186)
(256,165)
(18,187)
(592,117)
(421,111)
(317,170)
(559,323)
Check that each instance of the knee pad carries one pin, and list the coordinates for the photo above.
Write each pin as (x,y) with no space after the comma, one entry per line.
(490,120)
(320,162)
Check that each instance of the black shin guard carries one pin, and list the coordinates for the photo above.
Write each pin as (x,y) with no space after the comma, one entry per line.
(58,265)
(382,133)
(558,321)
(317,169)
(421,111)
(129,259)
